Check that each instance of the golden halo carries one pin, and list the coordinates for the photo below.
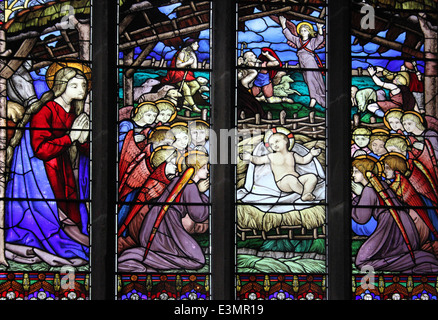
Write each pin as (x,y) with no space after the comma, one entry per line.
(281,130)
(365,156)
(385,117)
(180,162)
(384,131)
(160,102)
(181,123)
(192,123)
(56,66)
(415,113)
(395,154)
(157,128)
(401,136)
(170,149)
(371,158)
(161,128)
(165,101)
(304,23)
(135,109)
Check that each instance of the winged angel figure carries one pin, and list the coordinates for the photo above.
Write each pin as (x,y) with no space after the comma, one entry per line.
(307,41)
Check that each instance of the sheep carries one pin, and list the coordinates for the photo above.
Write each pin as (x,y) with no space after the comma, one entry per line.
(154,96)
(146,87)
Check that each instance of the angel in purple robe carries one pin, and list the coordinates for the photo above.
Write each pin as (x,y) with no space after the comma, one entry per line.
(386,249)
(306,41)
(173,247)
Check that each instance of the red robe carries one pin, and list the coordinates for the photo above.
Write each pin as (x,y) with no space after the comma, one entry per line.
(415,85)
(175,76)
(50,142)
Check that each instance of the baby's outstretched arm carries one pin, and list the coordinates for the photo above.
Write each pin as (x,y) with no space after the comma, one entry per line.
(314,152)
(254,159)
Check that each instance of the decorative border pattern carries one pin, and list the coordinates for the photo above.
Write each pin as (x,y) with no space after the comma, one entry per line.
(280,287)
(44,286)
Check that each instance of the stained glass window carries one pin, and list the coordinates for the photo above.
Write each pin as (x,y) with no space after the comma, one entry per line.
(163,209)
(46,121)
(166,229)
(281,171)
(393,149)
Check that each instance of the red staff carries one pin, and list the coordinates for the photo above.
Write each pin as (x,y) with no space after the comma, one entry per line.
(177,189)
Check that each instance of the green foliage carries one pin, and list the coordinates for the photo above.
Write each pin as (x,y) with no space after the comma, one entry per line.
(406,4)
(286,245)
(250,243)
(47,14)
(355,245)
(202,239)
(254,264)
(318,246)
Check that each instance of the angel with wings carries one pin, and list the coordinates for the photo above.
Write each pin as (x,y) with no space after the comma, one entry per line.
(304,38)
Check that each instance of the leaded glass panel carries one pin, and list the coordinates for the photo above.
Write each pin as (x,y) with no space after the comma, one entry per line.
(281,171)
(164,131)
(393,149)
(46,113)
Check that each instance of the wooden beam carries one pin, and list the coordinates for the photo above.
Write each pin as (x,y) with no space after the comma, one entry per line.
(188,6)
(173,22)
(129,18)
(317,9)
(304,7)
(38,65)
(50,51)
(394,21)
(39,55)
(387,43)
(126,22)
(32,34)
(128,82)
(129,73)
(193,6)
(322,14)
(13,65)
(67,40)
(287,10)
(164,36)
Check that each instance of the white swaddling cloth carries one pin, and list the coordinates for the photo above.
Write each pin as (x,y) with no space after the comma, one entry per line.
(261,190)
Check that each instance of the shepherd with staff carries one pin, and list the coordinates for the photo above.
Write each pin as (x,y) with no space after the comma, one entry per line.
(185,80)
(165,242)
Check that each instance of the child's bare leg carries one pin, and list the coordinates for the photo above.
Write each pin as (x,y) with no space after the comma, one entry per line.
(289,184)
(309,183)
